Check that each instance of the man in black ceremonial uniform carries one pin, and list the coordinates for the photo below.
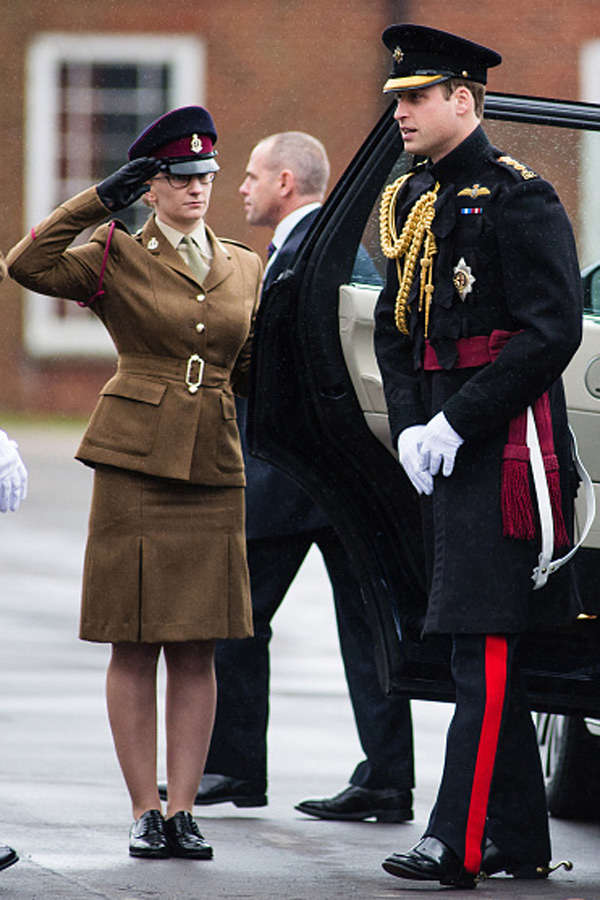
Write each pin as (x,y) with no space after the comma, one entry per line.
(480,314)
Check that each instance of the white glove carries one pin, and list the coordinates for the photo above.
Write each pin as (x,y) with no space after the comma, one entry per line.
(13,475)
(411,458)
(439,445)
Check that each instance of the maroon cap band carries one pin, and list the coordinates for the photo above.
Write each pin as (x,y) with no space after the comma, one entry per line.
(195,144)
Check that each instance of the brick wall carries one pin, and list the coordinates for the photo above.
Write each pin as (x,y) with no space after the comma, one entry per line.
(272,65)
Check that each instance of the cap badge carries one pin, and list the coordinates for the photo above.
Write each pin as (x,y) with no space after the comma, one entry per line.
(463,278)
(152,244)
(398,55)
(475,191)
(196,144)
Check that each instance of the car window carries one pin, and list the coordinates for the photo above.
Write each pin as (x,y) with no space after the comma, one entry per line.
(370,242)
(569,158)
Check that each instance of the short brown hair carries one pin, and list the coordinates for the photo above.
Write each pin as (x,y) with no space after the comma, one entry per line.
(476,89)
(304,155)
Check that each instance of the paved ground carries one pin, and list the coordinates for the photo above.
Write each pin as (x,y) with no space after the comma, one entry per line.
(63,802)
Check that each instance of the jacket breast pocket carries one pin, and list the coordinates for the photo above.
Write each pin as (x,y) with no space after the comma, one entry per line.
(127,415)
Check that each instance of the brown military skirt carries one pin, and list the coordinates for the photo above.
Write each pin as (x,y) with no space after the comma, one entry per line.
(165,561)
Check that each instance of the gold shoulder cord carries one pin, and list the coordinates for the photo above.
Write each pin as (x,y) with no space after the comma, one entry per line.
(416,230)
(523,171)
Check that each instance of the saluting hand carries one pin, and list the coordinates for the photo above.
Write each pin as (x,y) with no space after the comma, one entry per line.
(128,183)
(13,475)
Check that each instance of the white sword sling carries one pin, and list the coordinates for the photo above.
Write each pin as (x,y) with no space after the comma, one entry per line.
(546,565)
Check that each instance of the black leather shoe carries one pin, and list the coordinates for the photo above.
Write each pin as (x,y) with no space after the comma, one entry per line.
(430,860)
(147,837)
(184,837)
(494,860)
(356,803)
(224,789)
(8,857)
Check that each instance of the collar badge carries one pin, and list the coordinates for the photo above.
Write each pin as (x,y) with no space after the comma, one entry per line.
(152,244)
(476,191)
(196,144)
(463,279)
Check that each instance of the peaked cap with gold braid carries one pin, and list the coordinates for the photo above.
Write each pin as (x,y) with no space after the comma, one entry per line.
(426,56)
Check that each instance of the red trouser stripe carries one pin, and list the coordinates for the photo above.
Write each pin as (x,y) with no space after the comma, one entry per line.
(496,653)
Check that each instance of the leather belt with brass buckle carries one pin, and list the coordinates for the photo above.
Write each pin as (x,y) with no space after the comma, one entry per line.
(194,384)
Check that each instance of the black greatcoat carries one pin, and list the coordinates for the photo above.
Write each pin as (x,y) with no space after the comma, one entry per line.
(519,245)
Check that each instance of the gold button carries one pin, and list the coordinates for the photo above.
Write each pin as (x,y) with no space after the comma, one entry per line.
(200,327)
(200,297)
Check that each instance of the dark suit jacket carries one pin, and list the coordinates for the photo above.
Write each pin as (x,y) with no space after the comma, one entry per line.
(275,504)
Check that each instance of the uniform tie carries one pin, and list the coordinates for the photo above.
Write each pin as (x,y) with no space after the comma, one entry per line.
(271,248)
(195,260)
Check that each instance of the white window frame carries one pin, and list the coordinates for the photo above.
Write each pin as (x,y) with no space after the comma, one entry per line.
(45,334)
(589,189)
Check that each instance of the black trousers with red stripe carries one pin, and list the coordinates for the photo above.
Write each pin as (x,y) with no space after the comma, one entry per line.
(492,783)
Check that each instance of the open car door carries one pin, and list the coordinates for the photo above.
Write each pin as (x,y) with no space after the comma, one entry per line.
(317,408)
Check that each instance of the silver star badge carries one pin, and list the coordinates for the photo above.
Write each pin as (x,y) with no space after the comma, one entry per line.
(463,278)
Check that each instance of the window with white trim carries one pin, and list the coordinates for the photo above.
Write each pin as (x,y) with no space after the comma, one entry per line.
(88,97)
(589,185)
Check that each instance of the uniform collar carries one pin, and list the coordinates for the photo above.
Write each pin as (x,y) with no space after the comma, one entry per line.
(198,235)
(464,158)
(156,242)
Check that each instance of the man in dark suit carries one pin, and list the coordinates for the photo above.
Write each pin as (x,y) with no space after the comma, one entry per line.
(284,186)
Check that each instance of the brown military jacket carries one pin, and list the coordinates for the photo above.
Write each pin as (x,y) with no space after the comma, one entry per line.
(183,347)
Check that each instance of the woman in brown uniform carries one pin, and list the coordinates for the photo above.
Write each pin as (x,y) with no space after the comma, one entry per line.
(165,560)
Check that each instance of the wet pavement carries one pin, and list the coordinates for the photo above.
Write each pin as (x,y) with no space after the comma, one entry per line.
(64,806)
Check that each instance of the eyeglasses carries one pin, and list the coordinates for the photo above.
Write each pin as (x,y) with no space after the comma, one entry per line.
(182,181)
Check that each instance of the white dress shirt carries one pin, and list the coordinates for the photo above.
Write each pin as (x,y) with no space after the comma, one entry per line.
(285,227)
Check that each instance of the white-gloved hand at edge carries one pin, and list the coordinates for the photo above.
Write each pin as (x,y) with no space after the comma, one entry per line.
(439,445)
(13,475)
(411,459)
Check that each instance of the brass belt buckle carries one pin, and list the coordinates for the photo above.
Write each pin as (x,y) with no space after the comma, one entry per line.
(194,384)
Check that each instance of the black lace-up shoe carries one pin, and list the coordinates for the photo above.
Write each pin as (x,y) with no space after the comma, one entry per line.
(225,789)
(184,837)
(8,857)
(147,837)
(495,860)
(356,803)
(430,860)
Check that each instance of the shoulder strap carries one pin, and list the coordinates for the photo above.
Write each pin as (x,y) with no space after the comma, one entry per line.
(99,291)
(235,243)
(523,171)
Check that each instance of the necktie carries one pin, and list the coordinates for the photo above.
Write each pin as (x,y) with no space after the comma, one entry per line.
(195,260)
(271,248)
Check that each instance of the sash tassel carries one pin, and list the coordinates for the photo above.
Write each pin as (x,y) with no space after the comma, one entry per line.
(517,507)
